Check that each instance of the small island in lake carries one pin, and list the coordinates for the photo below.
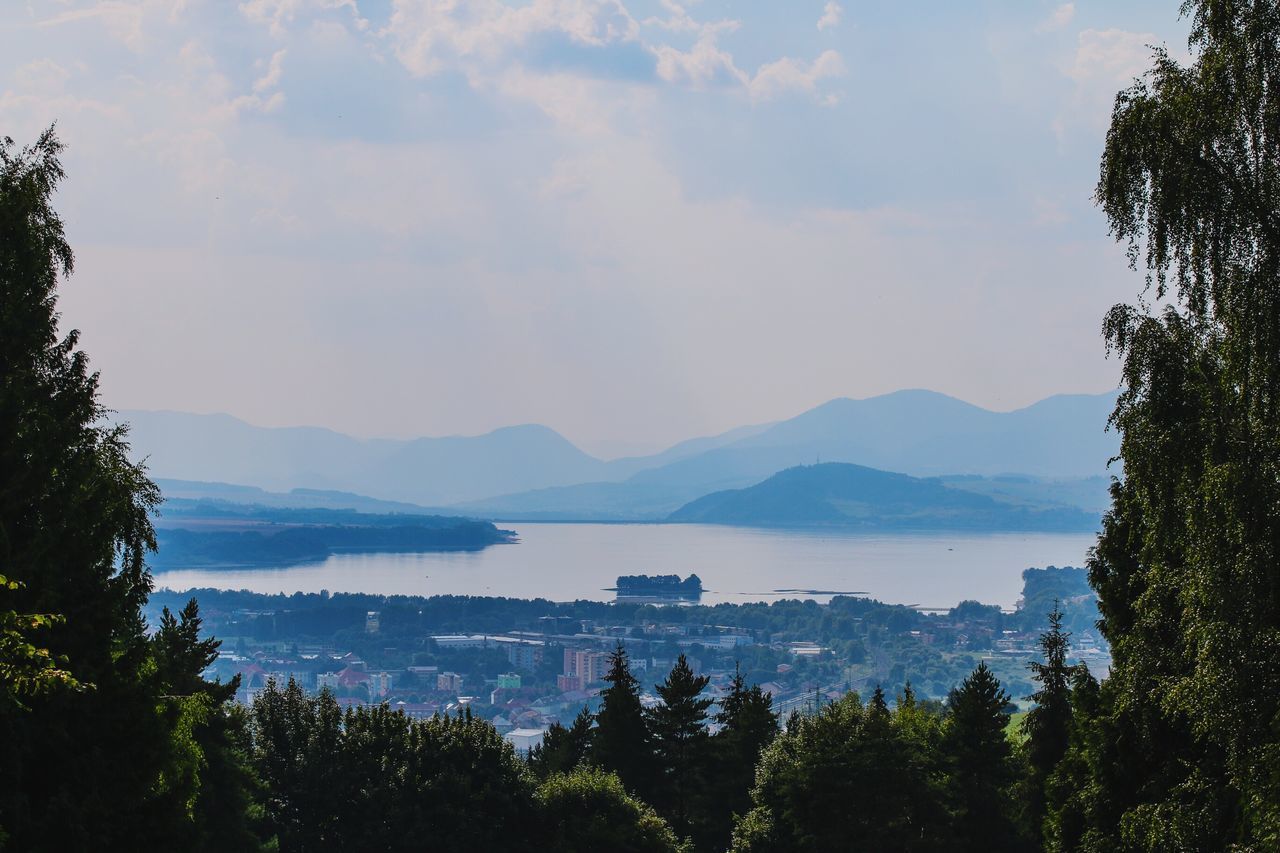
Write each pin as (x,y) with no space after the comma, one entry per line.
(659,586)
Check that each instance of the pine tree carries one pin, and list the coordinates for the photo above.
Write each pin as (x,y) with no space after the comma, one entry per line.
(1047,725)
(980,767)
(223,790)
(1073,819)
(748,725)
(680,740)
(621,741)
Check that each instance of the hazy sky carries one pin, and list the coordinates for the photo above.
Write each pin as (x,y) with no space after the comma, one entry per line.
(631,221)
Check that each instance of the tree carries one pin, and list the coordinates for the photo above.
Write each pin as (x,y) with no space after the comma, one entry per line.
(589,810)
(1185,566)
(295,749)
(851,777)
(372,779)
(748,725)
(980,767)
(108,766)
(1047,725)
(678,728)
(1073,815)
(26,669)
(621,740)
(219,787)
(562,749)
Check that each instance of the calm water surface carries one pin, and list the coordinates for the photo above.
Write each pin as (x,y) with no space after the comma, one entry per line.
(567,561)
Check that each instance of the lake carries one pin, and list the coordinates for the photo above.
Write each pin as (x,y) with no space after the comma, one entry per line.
(563,562)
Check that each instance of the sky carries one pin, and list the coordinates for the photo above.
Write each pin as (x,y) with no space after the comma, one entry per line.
(634,221)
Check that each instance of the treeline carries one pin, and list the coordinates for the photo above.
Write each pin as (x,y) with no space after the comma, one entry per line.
(248,535)
(372,779)
(235,548)
(317,616)
(675,776)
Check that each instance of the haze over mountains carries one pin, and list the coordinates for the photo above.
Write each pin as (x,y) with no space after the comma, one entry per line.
(532,472)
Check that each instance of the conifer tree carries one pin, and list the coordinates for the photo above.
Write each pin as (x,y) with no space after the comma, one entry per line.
(113,765)
(1074,815)
(1047,725)
(621,741)
(748,725)
(680,742)
(980,767)
(223,810)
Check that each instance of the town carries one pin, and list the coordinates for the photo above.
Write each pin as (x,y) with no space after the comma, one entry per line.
(526,665)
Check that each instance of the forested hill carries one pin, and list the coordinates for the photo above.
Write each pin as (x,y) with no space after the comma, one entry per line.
(837,494)
(220,533)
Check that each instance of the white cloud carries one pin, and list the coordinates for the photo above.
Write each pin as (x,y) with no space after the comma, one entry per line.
(1103,63)
(618,258)
(482,37)
(430,35)
(707,64)
(279,15)
(831,14)
(275,69)
(1112,56)
(704,64)
(787,75)
(678,19)
(122,20)
(1059,18)
(575,103)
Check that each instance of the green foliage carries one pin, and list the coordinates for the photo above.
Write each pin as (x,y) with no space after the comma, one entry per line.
(748,725)
(677,729)
(27,669)
(562,749)
(373,779)
(120,765)
(588,810)
(1185,567)
(621,740)
(1047,726)
(980,764)
(210,781)
(851,777)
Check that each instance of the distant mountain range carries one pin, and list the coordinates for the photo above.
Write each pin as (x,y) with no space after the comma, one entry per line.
(1058,446)
(836,494)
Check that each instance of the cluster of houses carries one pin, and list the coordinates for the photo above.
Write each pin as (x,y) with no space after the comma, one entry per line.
(522,702)
(522,708)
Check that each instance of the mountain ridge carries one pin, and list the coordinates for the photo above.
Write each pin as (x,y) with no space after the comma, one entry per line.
(532,469)
(843,495)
